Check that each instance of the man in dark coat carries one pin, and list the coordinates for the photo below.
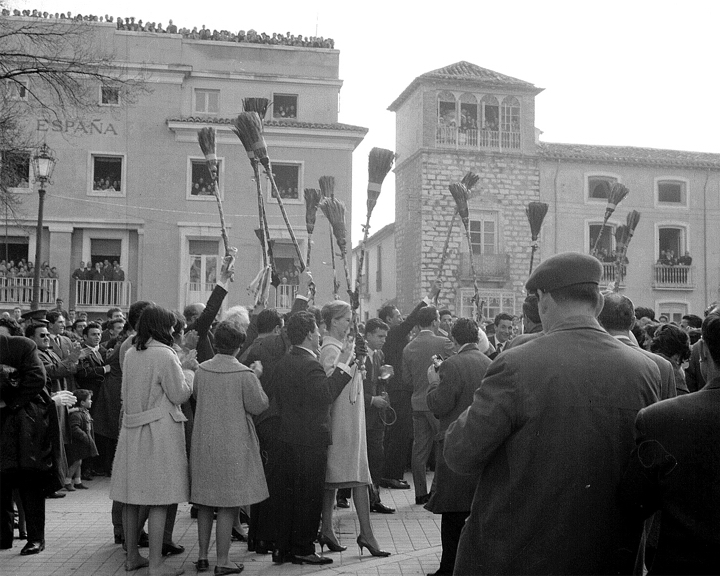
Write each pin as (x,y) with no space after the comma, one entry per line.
(675,468)
(304,395)
(550,431)
(449,396)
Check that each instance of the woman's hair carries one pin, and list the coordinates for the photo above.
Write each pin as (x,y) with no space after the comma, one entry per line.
(670,340)
(332,310)
(228,338)
(157,323)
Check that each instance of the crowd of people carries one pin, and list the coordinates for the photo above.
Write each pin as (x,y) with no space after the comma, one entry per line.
(556,438)
(25,269)
(130,23)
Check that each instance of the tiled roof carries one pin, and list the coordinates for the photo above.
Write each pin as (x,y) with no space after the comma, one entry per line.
(628,155)
(468,73)
(271,123)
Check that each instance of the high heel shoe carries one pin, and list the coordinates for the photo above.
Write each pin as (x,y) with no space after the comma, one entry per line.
(361,542)
(326,541)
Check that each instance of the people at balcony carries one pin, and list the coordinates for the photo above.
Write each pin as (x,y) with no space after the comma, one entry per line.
(685,259)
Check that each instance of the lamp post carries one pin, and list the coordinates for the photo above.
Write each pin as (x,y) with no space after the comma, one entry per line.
(43,165)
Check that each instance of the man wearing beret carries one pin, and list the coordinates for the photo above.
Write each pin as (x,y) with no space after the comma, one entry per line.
(550,432)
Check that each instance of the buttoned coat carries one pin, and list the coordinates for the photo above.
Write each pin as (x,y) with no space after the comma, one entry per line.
(417,357)
(150,465)
(550,431)
(459,377)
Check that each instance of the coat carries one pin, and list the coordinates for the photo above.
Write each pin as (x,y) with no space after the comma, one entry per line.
(459,377)
(82,443)
(150,465)
(667,375)
(397,339)
(675,468)
(550,431)
(417,359)
(225,458)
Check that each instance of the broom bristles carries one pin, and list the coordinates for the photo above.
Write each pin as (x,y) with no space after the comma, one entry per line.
(617,194)
(206,139)
(248,127)
(334,211)
(621,237)
(259,105)
(469,180)
(327,186)
(380,162)
(460,194)
(536,212)
(633,218)
(312,199)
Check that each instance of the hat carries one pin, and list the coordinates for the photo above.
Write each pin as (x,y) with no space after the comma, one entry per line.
(566,269)
(34,315)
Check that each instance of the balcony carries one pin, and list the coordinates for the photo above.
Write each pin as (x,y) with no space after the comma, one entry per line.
(99,295)
(673,277)
(285,296)
(19,291)
(610,274)
(489,267)
(453,137)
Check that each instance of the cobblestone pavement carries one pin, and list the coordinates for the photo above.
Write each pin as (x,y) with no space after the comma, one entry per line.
(79,541)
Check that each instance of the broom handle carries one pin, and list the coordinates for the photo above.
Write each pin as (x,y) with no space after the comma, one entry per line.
(444,255)
(360,360)
(336,284)
(361,260)
(532,256)
(261,213)
(223,229)
(597,238)
(474,274)
(276,193)
(309,250)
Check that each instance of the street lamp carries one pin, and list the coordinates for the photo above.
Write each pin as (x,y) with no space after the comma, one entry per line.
(43,165)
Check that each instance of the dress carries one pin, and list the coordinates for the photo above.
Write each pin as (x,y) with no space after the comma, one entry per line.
(347,463)
(225,458)
(150,465)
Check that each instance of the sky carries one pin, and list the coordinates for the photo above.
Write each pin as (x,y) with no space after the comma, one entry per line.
(631,73)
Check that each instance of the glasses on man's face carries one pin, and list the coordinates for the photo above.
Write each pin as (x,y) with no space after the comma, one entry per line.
(45,336)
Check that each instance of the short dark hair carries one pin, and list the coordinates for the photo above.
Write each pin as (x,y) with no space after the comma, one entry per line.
(693,320)
(670,340)
(426,316)
(78,321)
(445,311)
(299,326)
(711,336)
(228,338)
(642,312)
(113,322)
(530,309)
(315,311)
(157,323)
(112,311)
(53,315)
(618,312)
(81,394)
(375,324)
(267,320)
(136,310)
(180,323)
(386,312)
(30,329)
(502,316)
(12,326)
(90,326)
(465,330)
(586,293)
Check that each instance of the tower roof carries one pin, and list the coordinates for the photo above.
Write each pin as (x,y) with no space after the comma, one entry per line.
(466,73)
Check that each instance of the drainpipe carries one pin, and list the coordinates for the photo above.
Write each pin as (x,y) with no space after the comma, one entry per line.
(555,213)
(705,242)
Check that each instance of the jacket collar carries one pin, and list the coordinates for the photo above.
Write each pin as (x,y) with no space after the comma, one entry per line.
(468,346)
(577,323)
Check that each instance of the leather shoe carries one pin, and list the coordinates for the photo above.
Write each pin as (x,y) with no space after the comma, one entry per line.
(81,486)
(311,559)
(202,565)
(69,488)
(422,499)
(380,508)
(34,547)
(171,549)
(56,495)
(222,570)
(394,484)
(280,556)
(343,503)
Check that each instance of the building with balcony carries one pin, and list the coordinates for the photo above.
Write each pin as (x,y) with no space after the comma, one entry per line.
(464,118)
(131,182)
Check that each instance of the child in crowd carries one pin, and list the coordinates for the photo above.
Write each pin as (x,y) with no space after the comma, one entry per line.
(82,442)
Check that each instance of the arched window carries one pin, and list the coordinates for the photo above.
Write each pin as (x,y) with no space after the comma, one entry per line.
(447,118)
(490,127)
(468,121)
(510,122)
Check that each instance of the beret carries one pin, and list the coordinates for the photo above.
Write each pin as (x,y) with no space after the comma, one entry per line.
(565,269)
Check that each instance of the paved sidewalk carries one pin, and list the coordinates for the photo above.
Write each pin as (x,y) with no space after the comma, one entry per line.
(79,540)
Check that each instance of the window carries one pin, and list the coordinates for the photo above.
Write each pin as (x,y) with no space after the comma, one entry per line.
(378,270)
(287,179)
(107,174)
(672,192)
(606,245)
(673,310)
(494,303)
(490,113)
(671,244)
(510,122)
(285,106)
(109,96)
(599,186)
(200,179)
(207,101)
(447,119)
(203,265)
(483,233)
(15,170)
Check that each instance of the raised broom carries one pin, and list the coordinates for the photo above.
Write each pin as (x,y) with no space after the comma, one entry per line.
(617,194)
(536,212)
(206,139)
(622,243)
(312,199)
(461,195)
(327,190)
(380,162)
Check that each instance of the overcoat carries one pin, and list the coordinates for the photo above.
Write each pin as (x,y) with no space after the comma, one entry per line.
(225,458)
(551,431)
(150,465)
(83,438)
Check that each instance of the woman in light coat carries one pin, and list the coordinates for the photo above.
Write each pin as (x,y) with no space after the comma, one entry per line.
(150,466)
(225,462)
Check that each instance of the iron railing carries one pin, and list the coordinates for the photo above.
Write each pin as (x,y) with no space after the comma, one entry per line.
(102,293)
(20,290)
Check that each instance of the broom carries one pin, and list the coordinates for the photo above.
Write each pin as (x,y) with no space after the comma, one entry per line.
(617,194)
(622,238)
(259,105)
(327,190)
(248,127)
(536,212)
(380,162)
(461,195)
(206,139)
(312,199)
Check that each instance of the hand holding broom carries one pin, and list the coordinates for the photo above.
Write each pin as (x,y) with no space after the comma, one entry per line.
(206,139)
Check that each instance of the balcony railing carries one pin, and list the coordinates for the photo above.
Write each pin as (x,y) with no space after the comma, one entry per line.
(20,290)
(489,267)
(673,277)
(101,293)
(451,136)
(610,273)
(285,296)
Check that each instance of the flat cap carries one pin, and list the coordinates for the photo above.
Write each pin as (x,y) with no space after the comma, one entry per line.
(34,315)
(566,269)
